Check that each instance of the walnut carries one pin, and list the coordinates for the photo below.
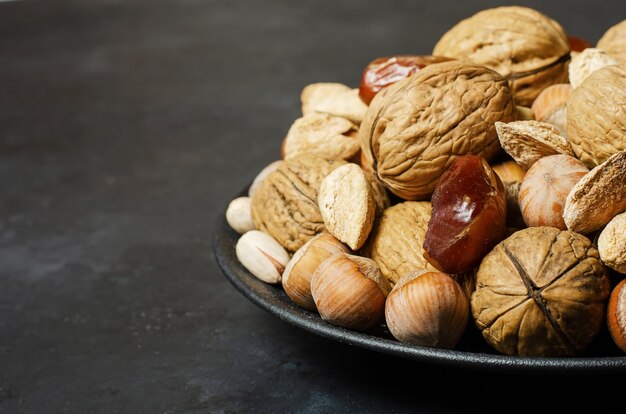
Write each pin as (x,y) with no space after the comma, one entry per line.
(541,292)
(285,204)
(614,41)
(596,115)
(413,129)
(331,137)
(396,241)
(522,44)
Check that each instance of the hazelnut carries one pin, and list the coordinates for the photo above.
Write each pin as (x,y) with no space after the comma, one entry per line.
(612,244)
(511,175)
(299,271)
(545,189)
(350,291)
(616,315)
(551,106)
(262,256)
(427,308)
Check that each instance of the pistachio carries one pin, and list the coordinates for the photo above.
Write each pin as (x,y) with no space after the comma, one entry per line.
(263,256)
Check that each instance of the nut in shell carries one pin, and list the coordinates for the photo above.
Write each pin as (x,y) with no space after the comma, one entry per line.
(616,315)
(587,62)
(511,175)
(598,197)
(262,175)
(333,99)
(397,239)
(541,292)
(521,44)
(347,205)
(285,204)
(328,136)
(239,215)
(300,269)
(545,189)
(428,309)
(612,244)
(614,42)
(350,291)
(596,115)
(528,141)
(551,106)
(262,256)
(415,128)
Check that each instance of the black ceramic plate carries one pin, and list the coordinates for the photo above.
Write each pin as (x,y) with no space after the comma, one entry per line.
(472,352)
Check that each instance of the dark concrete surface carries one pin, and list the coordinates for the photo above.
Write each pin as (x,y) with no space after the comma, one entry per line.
(125,128)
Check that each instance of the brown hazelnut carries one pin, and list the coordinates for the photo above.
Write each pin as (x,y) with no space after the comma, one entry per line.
(616,315)
(545,189)
(299,271)
(427,308)
(350,291)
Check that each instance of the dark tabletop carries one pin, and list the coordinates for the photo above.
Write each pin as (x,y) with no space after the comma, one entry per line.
(125,129)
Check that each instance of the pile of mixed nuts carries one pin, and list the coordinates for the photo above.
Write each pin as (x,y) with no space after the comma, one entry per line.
(394,202)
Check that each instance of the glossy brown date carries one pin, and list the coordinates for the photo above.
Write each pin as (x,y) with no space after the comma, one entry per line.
(468,216)
(577,44)
(385,71)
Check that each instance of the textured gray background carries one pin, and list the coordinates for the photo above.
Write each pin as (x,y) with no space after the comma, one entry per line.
(125,128)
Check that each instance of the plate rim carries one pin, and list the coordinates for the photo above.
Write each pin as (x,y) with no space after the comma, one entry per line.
(244,281)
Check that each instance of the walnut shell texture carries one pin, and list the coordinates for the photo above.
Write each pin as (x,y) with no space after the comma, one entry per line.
(396,241)
(596,115)
(512,41)
(285,204)
(614,41)
(413,129)
(541,292)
